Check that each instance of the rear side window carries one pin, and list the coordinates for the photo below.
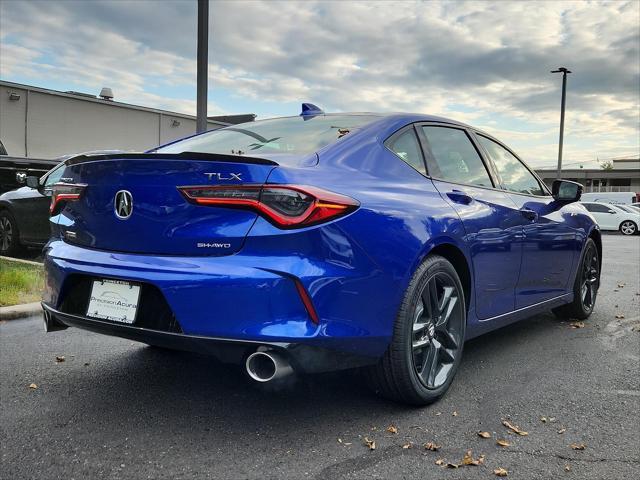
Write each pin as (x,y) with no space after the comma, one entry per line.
(513,174)
(594,207)
(451,156)
(405,145)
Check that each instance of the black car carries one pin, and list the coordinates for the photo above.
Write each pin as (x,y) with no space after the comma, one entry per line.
(24,213)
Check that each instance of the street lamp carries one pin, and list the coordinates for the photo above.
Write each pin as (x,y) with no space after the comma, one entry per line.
(203,66)
(564,72)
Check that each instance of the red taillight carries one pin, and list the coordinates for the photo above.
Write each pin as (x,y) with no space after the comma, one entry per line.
(64,192)
(287,206)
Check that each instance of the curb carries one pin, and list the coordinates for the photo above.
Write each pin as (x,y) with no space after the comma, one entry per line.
(20,260)
(20,311)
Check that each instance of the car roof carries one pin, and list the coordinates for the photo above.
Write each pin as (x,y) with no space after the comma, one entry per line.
(408,117)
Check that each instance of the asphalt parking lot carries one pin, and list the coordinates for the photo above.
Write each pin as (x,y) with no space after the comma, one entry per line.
(117,409)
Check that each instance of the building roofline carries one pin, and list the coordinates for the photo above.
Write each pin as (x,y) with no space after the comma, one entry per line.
(80,96)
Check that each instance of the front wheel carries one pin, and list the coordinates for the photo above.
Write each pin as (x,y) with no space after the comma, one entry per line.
(628,228)
(585,287)
(9,234)
(428,337)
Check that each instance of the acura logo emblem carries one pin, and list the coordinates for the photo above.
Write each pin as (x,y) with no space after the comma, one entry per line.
(123,204)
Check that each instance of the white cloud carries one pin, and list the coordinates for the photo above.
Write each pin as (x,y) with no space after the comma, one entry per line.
(474,61)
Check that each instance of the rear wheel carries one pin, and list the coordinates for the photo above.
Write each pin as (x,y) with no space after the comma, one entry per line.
(9,234)
(428,337)
(628,228)
(585,288)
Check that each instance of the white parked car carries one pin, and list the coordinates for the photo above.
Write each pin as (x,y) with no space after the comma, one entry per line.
(614,217)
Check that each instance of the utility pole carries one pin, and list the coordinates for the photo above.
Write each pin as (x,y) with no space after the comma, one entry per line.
(203,65)
(564,72)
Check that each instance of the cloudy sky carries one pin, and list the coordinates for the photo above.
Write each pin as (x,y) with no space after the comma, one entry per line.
(486,63)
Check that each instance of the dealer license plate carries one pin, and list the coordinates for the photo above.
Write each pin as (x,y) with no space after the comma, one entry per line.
(114,300)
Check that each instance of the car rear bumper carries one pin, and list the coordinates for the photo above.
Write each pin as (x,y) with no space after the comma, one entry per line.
(226,306)
(303,358)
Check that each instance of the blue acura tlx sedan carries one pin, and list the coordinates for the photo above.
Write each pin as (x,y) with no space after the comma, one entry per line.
(319,242)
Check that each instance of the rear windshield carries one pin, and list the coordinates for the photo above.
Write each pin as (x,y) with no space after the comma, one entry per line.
(293,135)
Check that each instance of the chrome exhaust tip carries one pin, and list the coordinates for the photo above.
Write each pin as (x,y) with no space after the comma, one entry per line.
(265,366)
(50,323)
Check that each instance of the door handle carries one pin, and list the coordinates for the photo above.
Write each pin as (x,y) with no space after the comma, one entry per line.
(529,214)
(459,196)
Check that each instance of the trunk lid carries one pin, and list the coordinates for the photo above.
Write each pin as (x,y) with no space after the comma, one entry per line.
(161,220)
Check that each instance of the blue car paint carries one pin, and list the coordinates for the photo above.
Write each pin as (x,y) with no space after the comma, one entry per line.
(355,269)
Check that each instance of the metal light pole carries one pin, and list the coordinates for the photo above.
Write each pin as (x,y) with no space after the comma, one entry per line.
(203,65)
(564,72)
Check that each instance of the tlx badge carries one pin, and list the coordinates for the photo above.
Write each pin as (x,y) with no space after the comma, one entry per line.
(222,176)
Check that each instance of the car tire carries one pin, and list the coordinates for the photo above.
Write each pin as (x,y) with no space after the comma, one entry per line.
(628,228)
(585,285)
(426,348)
(9,234)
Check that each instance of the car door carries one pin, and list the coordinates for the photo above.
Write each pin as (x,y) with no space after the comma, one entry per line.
(32,209)
(607,217)
(550,244)
(492,223)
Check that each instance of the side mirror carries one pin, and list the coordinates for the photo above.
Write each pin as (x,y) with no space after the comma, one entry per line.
(566,191)
(33,181)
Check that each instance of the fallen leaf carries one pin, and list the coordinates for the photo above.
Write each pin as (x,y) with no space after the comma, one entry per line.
(562,430)
(576,325)
(407,445)
(514,428)
(370,443)
(60,359)
(469,460)
(392,429)
(567,468)
(454,414)
(440,461)
(620,316)
(543,419)
(452,465)
(578,446)
(500,472)
(33,386)
(503,443)
(484,434)
(621,285)
(431,446)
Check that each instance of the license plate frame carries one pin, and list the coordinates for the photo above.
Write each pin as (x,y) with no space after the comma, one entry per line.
(114,300)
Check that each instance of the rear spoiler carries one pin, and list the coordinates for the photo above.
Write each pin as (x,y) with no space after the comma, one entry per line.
(208,157)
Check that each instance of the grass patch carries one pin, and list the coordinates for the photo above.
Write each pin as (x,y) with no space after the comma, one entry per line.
(20,282)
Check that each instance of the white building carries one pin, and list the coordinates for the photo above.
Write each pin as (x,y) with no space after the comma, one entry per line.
(40,123)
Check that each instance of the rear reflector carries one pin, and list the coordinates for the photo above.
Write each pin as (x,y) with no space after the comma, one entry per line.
(306,300)
(286,206)
(64,192)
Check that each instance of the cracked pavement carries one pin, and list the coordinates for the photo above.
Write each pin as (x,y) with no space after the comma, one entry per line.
(118,409)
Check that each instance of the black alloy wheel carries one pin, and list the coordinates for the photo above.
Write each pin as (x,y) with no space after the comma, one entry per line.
(590,276)
(585,287)
(437,328)
(428,337)
(9,235)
